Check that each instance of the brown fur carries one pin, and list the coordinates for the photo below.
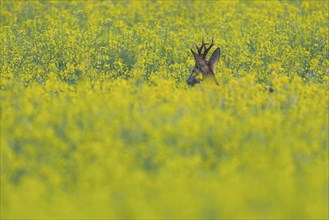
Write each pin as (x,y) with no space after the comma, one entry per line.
(202,66)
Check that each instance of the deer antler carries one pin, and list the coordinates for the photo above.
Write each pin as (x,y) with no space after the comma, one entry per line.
(206,50)
(203,46)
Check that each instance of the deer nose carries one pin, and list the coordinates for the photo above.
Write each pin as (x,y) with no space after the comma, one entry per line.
(191,81)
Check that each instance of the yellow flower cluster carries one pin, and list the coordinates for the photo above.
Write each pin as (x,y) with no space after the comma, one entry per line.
(98,122)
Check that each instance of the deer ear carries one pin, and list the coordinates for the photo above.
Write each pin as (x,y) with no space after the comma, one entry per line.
(198,58)
(214,59)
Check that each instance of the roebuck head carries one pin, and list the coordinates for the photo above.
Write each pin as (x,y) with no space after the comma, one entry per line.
(203,68)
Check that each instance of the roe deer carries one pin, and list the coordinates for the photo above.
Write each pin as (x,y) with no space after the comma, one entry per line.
(203,68)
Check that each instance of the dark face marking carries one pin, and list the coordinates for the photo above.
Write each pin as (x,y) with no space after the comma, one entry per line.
(195,77)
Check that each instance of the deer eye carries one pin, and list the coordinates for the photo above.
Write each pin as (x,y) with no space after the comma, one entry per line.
(198,69)
(195,70)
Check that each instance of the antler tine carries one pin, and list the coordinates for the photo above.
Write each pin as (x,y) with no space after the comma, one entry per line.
(206,50)
(199,49)
(203,45)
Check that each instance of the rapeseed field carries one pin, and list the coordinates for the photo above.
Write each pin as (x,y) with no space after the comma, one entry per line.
(97,120)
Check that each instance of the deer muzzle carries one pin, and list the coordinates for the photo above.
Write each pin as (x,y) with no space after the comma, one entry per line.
(191,80)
